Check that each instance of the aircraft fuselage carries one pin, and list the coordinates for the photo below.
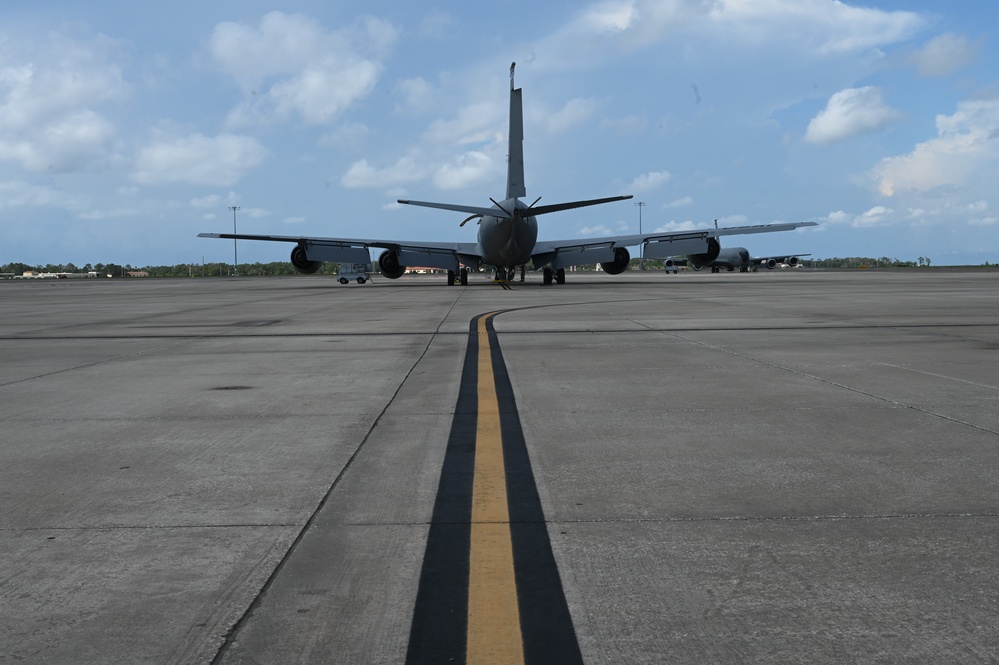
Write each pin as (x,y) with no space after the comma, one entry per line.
(507,241)
(731,258)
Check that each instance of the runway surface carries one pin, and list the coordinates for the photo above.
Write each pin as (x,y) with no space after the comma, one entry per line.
(783,466)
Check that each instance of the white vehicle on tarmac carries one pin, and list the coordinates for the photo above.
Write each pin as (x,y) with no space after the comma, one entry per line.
(349,272)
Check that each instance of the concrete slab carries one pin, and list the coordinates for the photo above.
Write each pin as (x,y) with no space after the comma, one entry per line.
(765,467)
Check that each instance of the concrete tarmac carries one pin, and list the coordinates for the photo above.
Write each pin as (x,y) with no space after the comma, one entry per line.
(782,466)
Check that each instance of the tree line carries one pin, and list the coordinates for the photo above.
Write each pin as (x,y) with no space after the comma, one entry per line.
(274,268)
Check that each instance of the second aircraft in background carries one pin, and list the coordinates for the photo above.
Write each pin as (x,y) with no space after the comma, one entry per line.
(733,258)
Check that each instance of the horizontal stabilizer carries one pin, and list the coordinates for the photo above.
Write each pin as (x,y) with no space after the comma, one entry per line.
(474,210)
(556,207)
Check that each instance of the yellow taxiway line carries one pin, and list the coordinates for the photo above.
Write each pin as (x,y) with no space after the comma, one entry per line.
(494,632)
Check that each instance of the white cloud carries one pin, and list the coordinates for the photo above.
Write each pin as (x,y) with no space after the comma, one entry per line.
(731,220)
(362,174)
(293,220)
(679,203)
(467,169)
(475,123)
(876,216)
(649,181)
(17,193)
(312,73)
(815,27)
(967,142)
(349,136)
(210,201)
(48,93)
(198,160)
(850,113)
(944,54)
(417,95)
(574,113)
(598,230)
(676,227)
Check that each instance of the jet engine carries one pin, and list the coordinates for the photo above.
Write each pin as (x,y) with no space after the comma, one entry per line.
(619,264)
(791,261)
(389,264)
(302,263)
(700,260)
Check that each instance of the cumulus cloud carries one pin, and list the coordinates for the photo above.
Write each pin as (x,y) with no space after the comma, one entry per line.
(417,95)
(850,113)
(944,54)
(198,160)
(976,213)
(349,136)
(875,216)
(17,193)
(289,65)
(673,226)
(475,123)
(467,169)
(574,113)
(362,174)
(598,230)
(966,143)
(210,201)
(649,181)
(810,26)
(48,96)
(679,203)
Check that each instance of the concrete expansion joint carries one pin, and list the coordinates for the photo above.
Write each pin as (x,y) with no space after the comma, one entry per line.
(156,527)
(780,518)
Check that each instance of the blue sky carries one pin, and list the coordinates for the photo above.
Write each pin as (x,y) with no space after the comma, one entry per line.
(127,128)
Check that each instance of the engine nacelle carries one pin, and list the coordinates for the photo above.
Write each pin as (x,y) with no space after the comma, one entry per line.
(701,260)
(389,264)
(302,263)
(619,264)
(792,261)
(771,264)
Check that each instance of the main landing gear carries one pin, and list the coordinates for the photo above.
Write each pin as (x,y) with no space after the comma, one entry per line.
(548,274)
(462,277)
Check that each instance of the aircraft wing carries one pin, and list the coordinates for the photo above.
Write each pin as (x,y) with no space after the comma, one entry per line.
(565,253)
(444,255)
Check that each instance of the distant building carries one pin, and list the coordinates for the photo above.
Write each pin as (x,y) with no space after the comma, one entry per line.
(34,274)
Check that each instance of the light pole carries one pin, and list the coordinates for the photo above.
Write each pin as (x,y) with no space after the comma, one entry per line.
(235,256)
(641,248)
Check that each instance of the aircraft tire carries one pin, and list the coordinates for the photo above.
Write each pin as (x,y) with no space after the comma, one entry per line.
(450,278)
(463,277)
(546,276)
(560,276)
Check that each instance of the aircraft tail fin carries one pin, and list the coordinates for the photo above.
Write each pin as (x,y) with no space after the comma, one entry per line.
(515,156)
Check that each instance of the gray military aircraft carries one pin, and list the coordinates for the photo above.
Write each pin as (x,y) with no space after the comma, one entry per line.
(735,258)
(508,234)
